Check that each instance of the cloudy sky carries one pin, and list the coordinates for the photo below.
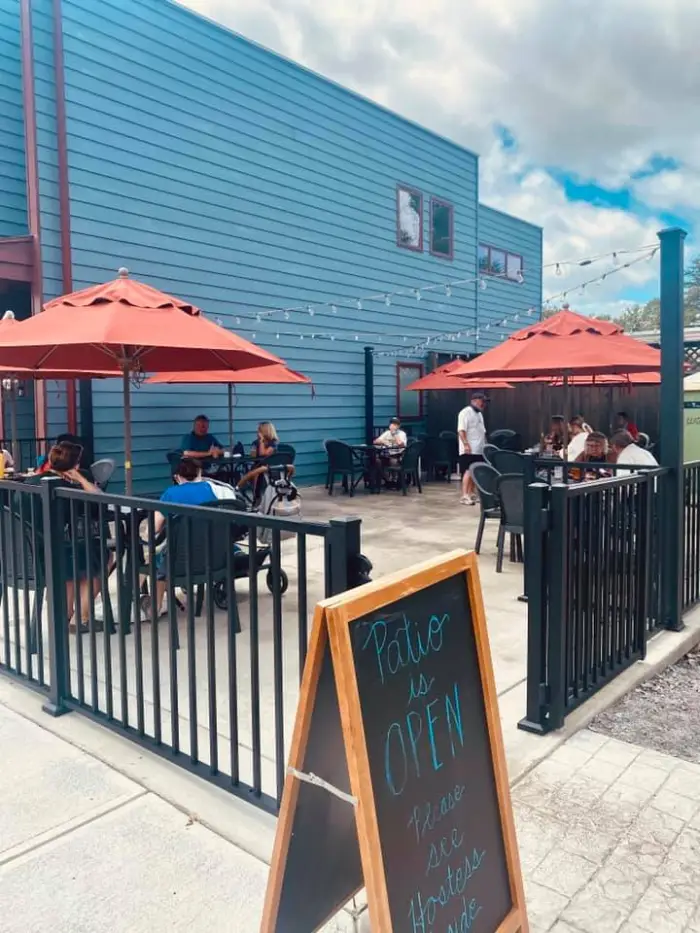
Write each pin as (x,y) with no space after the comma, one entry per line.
(586,113)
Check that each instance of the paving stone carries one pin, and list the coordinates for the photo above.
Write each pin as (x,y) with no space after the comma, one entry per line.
(595,846)
(563,927)
(592,912)
(685,782)
(641,775)
(586,739)
(571,756)
(603,771)
(674,877)
(655,826)
(661,912)
(694,926)
(543,905)
(537,835)
(564,872)
(674,804)
(623,803)
(640,850)
(618,752)
(686,848)
(659,760)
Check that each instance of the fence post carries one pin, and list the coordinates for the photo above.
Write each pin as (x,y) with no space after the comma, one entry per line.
(671,408)
(369,395)
(348,566)
(558,561)
(536,530)
(53,514)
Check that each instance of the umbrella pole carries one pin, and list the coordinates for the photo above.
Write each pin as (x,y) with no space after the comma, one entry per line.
(16,450)
(566,415)
(127,428)
(230,416)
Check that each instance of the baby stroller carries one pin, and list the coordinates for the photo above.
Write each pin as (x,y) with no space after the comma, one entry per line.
(280,498)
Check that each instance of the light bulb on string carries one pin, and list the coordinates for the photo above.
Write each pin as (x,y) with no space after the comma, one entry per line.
(359,304)
(417,293)
(482,285)
(387,301)
(448,290)
(252,336)
(557,270)
(286,315)
(238,320)
(277,336)
(258,317)
(520,277)
(334,309)
(615,259)
(310,311)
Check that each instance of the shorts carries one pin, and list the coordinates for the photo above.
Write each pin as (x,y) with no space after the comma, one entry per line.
(466,460)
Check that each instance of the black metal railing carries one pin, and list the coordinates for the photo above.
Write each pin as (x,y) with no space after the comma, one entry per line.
(26,450)
(211,684)
(594,587)
(691,534)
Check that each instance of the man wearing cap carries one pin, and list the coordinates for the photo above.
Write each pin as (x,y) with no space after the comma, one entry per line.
(472,438)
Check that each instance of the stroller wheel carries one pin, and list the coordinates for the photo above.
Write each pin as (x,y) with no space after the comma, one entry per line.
(284,582)
(220,597)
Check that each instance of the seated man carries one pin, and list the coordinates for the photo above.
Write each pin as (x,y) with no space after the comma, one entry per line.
(626,451)
(189,488)
(199,444)
(393,437)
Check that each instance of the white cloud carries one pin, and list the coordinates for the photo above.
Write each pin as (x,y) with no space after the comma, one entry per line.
(591,88)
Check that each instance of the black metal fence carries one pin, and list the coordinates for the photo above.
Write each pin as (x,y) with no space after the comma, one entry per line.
(691,535)
(593,584)
(174,625)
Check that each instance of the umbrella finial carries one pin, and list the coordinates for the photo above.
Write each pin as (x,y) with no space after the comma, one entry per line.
(123,273)
(8,316)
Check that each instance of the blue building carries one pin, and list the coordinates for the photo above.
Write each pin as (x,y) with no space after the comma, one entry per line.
(136,133)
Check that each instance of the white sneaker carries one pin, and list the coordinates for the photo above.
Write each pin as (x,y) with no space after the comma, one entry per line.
(468,500)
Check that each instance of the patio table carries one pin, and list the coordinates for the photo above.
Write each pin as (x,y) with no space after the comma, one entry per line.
(374,454)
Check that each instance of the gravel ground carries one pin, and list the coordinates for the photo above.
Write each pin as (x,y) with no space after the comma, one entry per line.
(663,713)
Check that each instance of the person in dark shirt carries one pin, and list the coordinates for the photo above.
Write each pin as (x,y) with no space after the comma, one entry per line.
(265,444)
(623,423)
(199,444)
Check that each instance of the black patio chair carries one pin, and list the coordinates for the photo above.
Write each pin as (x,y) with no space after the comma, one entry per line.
(453,439)
(22,566)
(486,482)
(343,462)
(506,439)
(508,461)
(489,449)
(286,450)
(407,470)
(198,556)
(437,458)
(102,472)
(511,493)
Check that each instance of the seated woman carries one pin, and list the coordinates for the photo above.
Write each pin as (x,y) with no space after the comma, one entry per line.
(62,463)
(595,451)
(265,444)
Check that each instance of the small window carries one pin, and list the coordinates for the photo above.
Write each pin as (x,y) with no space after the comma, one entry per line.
(497,262)
(409,403)
(514,267)
(441,228)
(409,218)
(500,262)
(484,260)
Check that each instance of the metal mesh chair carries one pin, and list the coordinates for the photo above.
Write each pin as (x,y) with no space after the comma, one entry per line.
(508,461)
(407,471)
(102,471)
(511,493)
(486,482)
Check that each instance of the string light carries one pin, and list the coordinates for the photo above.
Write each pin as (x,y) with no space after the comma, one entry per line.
(359,304)
(558,271)
(311,311)
(417,294)
(483,285)
(448,290)
(334,309)
(520,277)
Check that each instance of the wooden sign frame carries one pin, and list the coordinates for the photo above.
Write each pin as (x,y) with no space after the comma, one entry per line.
(332,620)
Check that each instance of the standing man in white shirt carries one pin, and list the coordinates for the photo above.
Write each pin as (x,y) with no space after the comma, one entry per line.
(472,438)
(627,452)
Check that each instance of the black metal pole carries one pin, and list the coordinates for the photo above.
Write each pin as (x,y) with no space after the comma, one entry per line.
(369,395)
(671,434)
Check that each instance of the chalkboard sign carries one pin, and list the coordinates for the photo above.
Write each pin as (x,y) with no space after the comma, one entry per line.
(414,695)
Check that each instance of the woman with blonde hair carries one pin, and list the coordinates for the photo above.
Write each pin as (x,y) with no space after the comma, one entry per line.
(266,442)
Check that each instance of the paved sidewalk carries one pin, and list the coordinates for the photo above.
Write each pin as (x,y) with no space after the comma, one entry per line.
(609,837)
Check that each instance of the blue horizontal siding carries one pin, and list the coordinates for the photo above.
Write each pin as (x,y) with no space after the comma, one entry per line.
(504,298)
(222,173)
(13,191)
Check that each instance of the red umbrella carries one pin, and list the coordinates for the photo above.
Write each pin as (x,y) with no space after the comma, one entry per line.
(564,345)
(270,375)
(125,327)
(440,379)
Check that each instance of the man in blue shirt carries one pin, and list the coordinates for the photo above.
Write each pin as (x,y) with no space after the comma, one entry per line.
(199,444)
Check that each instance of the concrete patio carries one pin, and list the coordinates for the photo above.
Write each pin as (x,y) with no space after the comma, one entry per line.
(397,531)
